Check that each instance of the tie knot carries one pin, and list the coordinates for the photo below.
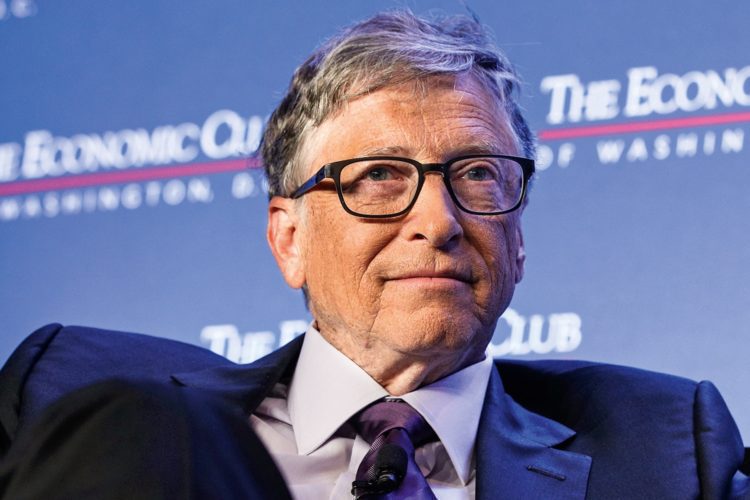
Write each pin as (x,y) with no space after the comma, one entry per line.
(384,416)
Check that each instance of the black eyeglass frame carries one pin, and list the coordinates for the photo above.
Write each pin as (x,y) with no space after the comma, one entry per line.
(333,171)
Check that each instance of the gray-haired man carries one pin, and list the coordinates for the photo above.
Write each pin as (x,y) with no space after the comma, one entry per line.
(398,165)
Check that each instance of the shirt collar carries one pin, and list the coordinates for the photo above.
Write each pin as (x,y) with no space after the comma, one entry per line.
(452,406)
(327,388)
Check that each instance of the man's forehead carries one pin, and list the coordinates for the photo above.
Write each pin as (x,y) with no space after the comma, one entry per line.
(421,93)
(414,117)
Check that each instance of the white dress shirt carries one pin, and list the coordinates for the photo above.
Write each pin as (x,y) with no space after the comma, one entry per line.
(304,425)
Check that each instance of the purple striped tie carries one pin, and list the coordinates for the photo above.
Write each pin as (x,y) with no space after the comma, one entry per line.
(389,426)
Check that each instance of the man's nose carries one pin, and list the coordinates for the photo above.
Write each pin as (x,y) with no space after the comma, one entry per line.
(434,215)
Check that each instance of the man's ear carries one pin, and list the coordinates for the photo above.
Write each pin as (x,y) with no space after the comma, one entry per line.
(284,238)
(520,255)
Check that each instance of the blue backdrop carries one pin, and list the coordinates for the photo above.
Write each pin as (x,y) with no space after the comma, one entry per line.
(127,201)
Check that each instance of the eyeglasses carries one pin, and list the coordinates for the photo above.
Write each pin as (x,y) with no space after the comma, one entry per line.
(388,186)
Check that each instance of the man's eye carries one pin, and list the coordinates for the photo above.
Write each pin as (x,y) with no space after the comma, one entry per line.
(379,174)
(478,174)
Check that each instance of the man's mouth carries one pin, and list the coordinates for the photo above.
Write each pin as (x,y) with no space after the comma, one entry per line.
(433,276)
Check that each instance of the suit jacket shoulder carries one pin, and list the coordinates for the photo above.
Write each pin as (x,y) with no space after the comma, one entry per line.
(56,360)
(675,431)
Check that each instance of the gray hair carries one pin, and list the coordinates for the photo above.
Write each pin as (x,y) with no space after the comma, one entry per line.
(387,49)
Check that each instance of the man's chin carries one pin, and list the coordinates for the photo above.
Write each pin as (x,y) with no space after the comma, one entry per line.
(429,332)
(441,300)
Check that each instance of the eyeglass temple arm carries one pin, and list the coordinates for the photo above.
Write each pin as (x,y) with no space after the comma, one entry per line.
(323,173)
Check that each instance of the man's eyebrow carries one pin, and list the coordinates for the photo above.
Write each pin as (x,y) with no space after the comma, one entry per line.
(386,151)
(488,146)
(485,147)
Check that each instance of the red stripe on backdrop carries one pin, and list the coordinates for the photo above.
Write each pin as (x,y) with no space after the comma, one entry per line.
(643,126)
(122,176)
(163,172)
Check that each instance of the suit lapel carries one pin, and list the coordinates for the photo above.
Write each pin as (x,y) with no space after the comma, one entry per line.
(515,454)
(244,385)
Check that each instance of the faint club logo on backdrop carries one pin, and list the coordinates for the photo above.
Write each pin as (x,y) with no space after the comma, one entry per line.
(648,115)
(226,340)
(515,335)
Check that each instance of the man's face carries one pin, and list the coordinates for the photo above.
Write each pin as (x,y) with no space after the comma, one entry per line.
(431,284)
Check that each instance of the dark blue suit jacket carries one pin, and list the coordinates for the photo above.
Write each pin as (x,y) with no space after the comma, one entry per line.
(549,429)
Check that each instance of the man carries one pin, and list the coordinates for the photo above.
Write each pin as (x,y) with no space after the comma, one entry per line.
(398,165)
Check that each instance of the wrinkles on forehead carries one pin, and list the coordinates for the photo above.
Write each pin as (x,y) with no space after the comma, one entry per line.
(489,131)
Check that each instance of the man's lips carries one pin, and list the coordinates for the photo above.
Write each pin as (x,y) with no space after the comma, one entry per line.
(432,276)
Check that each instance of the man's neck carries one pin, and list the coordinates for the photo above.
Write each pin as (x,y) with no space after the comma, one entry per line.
(399,372)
